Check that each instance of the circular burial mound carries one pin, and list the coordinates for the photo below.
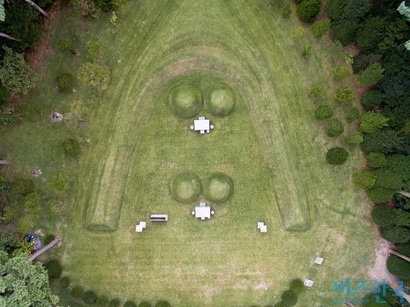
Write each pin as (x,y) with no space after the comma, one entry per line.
(219,100)
(186,101)
(186,187)
(218,187)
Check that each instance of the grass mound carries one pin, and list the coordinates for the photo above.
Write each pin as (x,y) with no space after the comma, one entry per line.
(186,101)
(219,100)
(218,187)
(186,187)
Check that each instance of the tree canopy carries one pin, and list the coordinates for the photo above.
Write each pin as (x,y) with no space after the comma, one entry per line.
(24,283)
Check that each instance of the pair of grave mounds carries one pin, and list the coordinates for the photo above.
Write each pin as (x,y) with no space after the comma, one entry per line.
(186,187)
(186,101)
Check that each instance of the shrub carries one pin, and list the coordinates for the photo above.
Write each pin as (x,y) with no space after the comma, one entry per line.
(371,75)
(341,72)
(23,186)
(345,95)
(115,302)
(372,99)
(66,83)
(337,156)
(77,292)
(364,180)
(4,186)
(64,282)
(308,10)
(289,298)
(360,62)
(307,51)
(377,159)
(352,114)
(60,182)
(323,111)
(47,239)
(71,147)
(317,91)
(102,301)
(334,127)
(94,75)
(54,269)
(144,304)
(130,304)
(396,234)
(380,194)
(401,218)
(354,138)
(162,304)
(89,297)
(297,286)
(320,27)
(383,216)
(63,44)
(286,9)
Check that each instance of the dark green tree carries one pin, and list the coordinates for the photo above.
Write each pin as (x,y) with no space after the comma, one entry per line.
(90,298)
(15,74)
(377,159)
(383,216)
(398,267)
(355,9)
(345,32)
(372,99)
(396,234)
(4,186)
(380,194)
(334,8)
(289,298)
(400,164)
(372,33)
(384,141)
(388,179)
(308,10)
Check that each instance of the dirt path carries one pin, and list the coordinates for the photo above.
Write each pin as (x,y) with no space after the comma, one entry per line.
(379,271)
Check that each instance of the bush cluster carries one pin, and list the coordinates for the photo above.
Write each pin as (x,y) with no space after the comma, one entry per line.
(71,147)
(23,186)
(320,27)
(66,83)
(345,95)
(308,10)
(323,111)
(4,186)
(334,127)
(54,269)
(337,155)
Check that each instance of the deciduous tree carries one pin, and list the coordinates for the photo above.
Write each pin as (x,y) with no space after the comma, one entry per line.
(24,283)
(371,122)
(15,74)
(371,75)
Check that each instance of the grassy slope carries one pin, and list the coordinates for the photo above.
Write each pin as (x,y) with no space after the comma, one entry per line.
(130,158)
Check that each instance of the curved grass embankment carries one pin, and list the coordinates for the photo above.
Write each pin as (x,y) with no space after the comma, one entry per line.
(134,145)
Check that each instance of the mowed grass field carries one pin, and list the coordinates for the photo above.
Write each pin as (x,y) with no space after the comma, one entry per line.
(133,146)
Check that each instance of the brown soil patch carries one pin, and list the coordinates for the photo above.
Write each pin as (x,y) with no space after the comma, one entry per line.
(38,55)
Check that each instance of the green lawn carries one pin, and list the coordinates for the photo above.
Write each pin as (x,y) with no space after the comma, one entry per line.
(133,146)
